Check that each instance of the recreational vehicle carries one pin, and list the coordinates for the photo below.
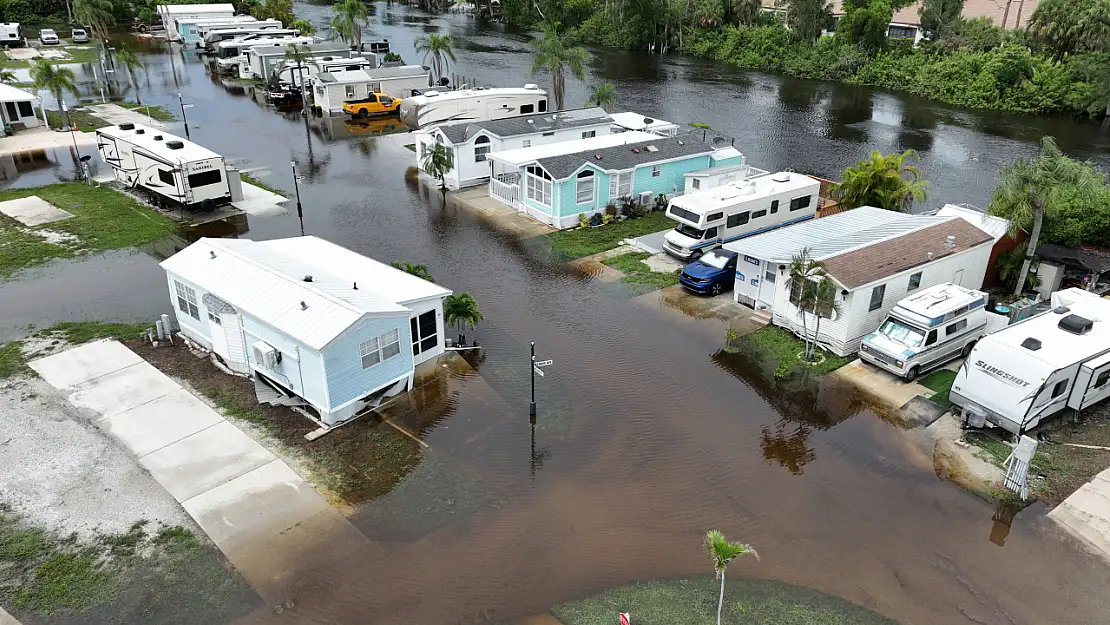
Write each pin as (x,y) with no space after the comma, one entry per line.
(253,59)
(11,34)
(471,105)
(1036,368)
(710,218)
(192,30)
(230,53)
(926,330)
(172,14)
(170,170)
(214,35)
(294,74)
(330,90)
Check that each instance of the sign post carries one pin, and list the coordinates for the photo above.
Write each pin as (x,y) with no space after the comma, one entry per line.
(536,369)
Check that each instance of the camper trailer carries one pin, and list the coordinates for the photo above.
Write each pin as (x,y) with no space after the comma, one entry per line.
(1020,376)
(926,330)
(215,35)
(171,171)
(229,54)
(330,90)
(293,74)
(710,218)
(173,14)
(253,59)
(11,34)
(192,30)
(471,105)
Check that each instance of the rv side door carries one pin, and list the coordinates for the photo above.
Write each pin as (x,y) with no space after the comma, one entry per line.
(1092,385)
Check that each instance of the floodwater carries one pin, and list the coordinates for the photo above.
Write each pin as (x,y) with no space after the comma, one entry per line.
(647,434)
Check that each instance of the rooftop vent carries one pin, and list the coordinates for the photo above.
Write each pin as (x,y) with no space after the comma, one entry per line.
(175,145)
(140,131)
(127,126)
(681,143)
(1031,344)
(531,122)
(597,156)
(308,278)
(304,306)
(212,252)
(635,150)
(157,137)
(648,121)
(950,242)
(782,176)
(431,93)
(1059,310)
(651,148)
(1075,324)
(531,86)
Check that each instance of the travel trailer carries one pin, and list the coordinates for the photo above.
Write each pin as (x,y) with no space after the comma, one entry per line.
(229,54)
(926,330)
(11,34)
(209,34)
(1032,370)
(192,30)
(172,14)
(330,90)
(258,61)
(710,218)
(470,105)
(173,172)
(294,74)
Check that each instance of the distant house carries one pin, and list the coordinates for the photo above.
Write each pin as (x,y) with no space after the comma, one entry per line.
(313,323)
(471,142)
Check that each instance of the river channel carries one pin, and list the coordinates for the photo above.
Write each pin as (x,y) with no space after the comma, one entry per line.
(648,434)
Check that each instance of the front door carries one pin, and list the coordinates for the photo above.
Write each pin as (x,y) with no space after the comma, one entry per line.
(235,344)
(13,115)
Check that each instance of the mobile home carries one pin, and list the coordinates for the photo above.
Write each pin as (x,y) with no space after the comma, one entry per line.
(1020,376)
(466,105)
(170,170)
(330,90)
(316,325)
(213,35)
(192,30)
(172,14)
(710,218)
(231,53)
(295,74)
(259,60)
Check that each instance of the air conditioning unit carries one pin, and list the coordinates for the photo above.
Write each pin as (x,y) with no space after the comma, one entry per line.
(265,355)
(646,198)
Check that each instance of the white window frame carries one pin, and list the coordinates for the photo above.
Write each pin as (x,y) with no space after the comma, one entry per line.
(584,187)
(481,148)
(378,349)
(539,186)
(187,300)
(656,171)
(620,185)
(527,143)
(589,134)
(349,91)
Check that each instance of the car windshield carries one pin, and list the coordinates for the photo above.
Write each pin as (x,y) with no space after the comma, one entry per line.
(716,259)
(897,331)
(689,231)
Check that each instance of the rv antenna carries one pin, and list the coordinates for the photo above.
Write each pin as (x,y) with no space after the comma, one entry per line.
(355,287)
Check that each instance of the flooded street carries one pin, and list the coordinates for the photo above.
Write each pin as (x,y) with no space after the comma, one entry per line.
(647,434)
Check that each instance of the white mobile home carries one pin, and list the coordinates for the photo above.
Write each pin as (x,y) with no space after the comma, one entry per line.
(1023,374)
(18,107)
(471,142)
(296,74)
(231,53)
(314,324)
(193,29)
(253,59)
(471,105)
(330,90)
(171,170)
(213,35)
(171,14)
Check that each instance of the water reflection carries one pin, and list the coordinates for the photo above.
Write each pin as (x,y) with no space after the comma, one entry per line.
(788,444)
(846,110)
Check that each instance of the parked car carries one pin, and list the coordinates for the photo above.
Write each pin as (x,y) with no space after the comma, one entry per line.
(48,37)
(284,94)
(79,35)
(373,104)
(713,273)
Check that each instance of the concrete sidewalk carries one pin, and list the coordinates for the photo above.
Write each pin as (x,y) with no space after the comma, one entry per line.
(256,509)
(1086,514)
(116,114)
(41,138)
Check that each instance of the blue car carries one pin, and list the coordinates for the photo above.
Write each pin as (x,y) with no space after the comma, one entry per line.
(713,273)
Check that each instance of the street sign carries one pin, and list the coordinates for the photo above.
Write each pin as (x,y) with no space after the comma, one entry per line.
(538,371)
(624,619)
(544,363)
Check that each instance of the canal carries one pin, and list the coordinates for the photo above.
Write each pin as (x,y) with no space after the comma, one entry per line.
(647,434)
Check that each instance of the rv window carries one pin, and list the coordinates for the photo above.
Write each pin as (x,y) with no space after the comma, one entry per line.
(526,109)
(915,281)
(876,294)
(774,206)
(897,331)
(739,219)
(682,213)
(799,203)
(758,214)
(25,110)
(166,177)
(714,216)
(697,184)
(689,231)
(543,106)
(1102,379)
(711,233)
(1060,387)
(589,134)
(205,178)
(955,328)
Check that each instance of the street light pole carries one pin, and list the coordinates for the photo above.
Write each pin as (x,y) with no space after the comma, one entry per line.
(76,150)
(183,118)
(297,188)
(532,406)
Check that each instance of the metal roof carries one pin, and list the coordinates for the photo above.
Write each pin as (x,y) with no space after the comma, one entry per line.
(528,124)
(833,234)
(997,227)
(622,157)
(523,156)
(734,194)
(269,284)
(370,75)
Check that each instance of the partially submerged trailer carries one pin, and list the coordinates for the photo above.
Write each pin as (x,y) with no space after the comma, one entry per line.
(1028,372)
(171,171)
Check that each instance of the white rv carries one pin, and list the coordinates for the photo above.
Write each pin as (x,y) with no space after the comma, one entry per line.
(172,14)
(252,59)
(331,89)
(11,34)
(293,73)
(926,330)
(710,218)
(471,105)
(208,35)
(230,53)
(1023,374)
(170,170)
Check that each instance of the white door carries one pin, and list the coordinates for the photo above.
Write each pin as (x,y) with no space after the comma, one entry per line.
(236,347)
(767,286)
(216,331)
(959,278)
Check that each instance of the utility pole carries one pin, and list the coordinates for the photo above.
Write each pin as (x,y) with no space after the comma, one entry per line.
(183,118)
(297,188)
(532,406)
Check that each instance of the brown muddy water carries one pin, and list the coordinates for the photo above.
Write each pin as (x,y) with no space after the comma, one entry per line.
(647,435)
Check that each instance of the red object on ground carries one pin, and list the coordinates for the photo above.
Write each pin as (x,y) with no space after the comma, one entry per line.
(624,619)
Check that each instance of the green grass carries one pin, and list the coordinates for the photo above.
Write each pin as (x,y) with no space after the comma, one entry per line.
(693,601)
(84,331)
(939,381)
(160,113)
(86,122)
(103,219)
(780,348)
(11,359)
(258,183)
(581,242)
(79,54)
(234,408)
(637,272)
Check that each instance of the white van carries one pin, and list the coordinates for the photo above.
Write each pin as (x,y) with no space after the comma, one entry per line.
(926,330)
(11,34)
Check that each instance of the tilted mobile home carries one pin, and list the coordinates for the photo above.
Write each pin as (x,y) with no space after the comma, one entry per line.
(313,323)
(331,89)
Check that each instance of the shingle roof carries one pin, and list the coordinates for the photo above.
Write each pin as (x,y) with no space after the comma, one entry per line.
(870,263)
(527,124)
(622,157)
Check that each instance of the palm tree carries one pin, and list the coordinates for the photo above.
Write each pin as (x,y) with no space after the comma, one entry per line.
(299,56)
(54,79)
(347,21)
(128,60)
(305,27)
(602,95)
(1031,188)
(461,310)
(95,14)
(554,54)
(438,161)
(420,271)
(280,10)
(438,47)
(805,276)
(882,181)
(824,307)
(723,553)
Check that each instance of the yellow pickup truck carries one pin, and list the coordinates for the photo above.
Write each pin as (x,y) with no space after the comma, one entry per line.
(373,104)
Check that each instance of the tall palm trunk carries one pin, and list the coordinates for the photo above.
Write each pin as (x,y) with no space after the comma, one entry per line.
(1031,248)
(721,601)
(816,335)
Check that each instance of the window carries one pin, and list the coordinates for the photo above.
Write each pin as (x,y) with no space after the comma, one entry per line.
(205,178)
(391,344)
(955,328)
(319,92)
(682,213)
(902,32)
(370,97)
(915,281)
(527,143)
(187,300)
(1102,379)
(655,171)
(549,134)
(758,214)
(379,348)
(543,106)
(877,297)
(585,190)
(525,109)
(481,148)
(25,110)
(166,177)
(1060,387)
(369,352)
(697,184)
(423,330)
(739,219)
(796,290)
(589,134)
(214,319)
(932,338)
(350,90)
(799,203)
(538,184)
(769,277)
(711,233)
(774,206)
(620,185)
(715,216)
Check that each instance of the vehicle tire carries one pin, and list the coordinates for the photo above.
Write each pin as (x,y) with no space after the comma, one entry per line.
(716,289)
(696,254)
(967,349)
(363,114)
(910,375)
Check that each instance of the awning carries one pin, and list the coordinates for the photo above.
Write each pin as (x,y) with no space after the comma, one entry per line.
(1087,257)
